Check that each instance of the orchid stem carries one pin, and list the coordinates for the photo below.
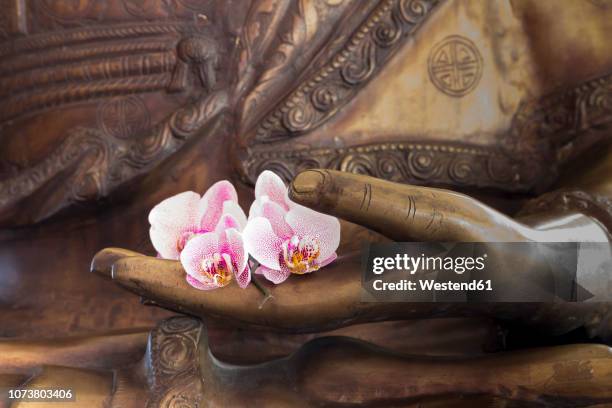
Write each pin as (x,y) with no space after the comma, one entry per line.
(265,292)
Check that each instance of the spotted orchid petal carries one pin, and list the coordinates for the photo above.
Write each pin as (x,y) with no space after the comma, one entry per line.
(177,219)
(199,285)
(273,275)
(226,222)
(324,229)
(262,243)
(276,215)
(233,208)
(212,261)
(212,205)
(243,278)
(285,237)
(171,220)
(231,243)
(270,185)
(198,249)
(329,260)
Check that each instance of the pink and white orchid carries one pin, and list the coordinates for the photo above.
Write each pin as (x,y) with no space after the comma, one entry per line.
(285,237)
(211,260)
(204,233)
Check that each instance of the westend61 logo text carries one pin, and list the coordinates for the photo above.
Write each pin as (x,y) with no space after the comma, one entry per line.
(405,263)
(476,272)
(412,264)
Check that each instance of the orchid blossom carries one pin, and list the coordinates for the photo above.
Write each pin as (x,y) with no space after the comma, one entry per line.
(204,233)
(285,237)
(211,260)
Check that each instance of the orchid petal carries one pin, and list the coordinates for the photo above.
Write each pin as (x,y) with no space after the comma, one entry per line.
(170,219)
(230,242)
(243,278)
(233,208)
(329,260)
(271,185)
(180,209)
(276,215)
(255,210)
(200,285)
(262,243)
(322,227)
(165,243)
(273,275)
(211,205)
(226,222)
(197,249)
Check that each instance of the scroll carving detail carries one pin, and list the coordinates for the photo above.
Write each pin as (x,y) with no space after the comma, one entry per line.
(103,163)
(173,359)
(326,90)
(551,127)
(413,162)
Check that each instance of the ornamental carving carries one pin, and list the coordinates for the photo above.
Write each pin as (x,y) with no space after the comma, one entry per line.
(553,127)
(173,359)
(123,116)
(101,61)
(100,163)
(455,66)
(410,162)
(326,90)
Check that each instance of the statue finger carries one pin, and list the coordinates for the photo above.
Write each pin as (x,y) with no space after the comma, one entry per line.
(401,212)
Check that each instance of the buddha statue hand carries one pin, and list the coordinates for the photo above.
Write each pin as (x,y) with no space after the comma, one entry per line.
(332,297)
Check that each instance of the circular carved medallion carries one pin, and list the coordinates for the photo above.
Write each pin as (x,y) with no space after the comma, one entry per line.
(124,117)
(455,66)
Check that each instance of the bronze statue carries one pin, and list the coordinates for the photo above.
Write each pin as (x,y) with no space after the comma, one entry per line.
(461,120)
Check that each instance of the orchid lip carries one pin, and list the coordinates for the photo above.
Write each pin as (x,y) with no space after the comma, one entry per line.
(300,255)
(218,269)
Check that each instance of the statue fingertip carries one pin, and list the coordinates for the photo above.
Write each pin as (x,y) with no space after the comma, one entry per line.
(307,184)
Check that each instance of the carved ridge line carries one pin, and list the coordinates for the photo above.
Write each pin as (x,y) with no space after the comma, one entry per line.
(23,104)
(81,35)
(442,147)
(84,52)
(121,66)
(375,53)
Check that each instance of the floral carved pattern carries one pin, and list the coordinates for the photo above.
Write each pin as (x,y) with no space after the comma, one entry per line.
(329,88)
(173,359)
